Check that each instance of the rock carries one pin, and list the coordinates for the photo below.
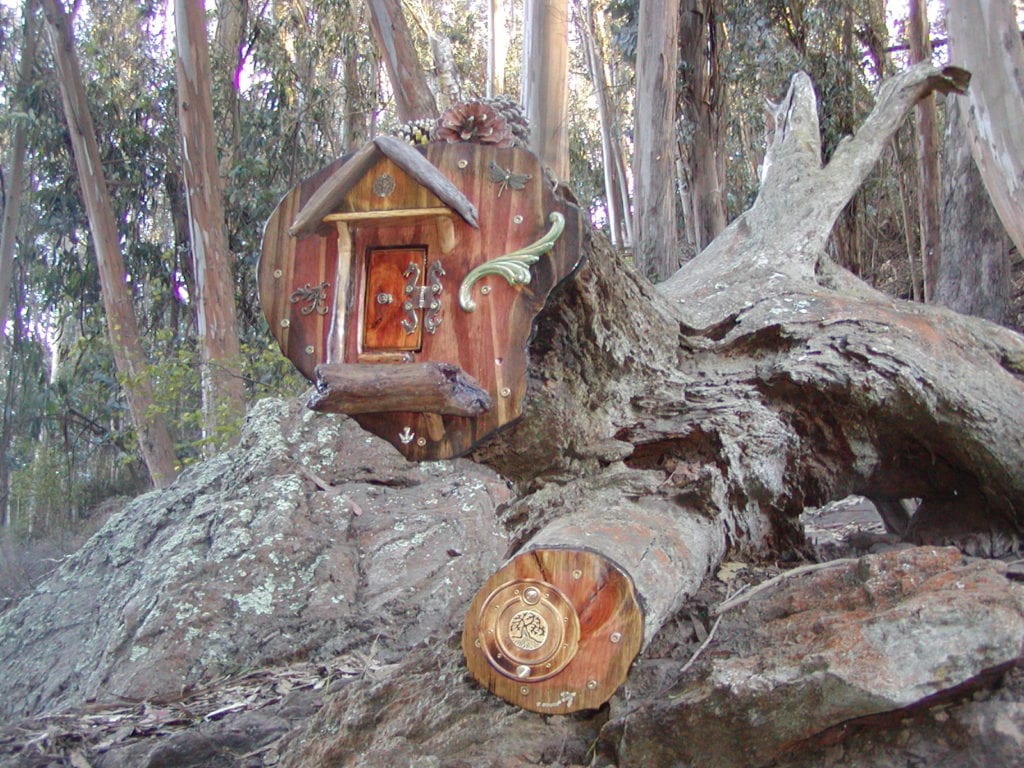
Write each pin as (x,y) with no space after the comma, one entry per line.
(310,539)
(880,634)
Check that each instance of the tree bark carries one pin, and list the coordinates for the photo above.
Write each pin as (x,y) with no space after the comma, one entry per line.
(700,103)
(615,205)
(654,203)
(16,165)
(155,441)
(497,48)
(984,40)
(974,273)
(222,389)
(413,99)
(546,82)
(928,179)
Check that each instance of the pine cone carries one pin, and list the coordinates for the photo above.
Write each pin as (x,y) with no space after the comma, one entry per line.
(475,122)
(415,131)
(508,108)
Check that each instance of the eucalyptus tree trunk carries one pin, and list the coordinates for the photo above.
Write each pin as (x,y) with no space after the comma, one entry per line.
(15,181)
(221,376)
(497,47)
(155,441)
(413,98)
(984,39)
(615,205)
(701,102)
(928,180)
(974,272)
(546,81)
(654,199)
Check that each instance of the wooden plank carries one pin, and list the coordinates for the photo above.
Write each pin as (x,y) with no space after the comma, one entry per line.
(433,387)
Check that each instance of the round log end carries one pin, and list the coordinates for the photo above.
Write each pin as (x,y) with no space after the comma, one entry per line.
(554,630)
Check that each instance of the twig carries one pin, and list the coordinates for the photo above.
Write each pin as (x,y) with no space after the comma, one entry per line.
(701,647)
(739,599)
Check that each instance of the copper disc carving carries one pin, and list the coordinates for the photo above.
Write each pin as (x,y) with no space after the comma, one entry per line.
(529,630)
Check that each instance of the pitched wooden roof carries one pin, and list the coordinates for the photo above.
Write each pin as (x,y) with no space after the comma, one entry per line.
(328,197)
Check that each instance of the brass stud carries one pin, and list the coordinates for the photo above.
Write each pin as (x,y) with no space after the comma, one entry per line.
(278,273)
(485,289)
(463,163)
(615,637)
(421,441)
(517,219)
(577,574)
(524,690)
(592,685)
(506,392)
(285,323)
(310,349)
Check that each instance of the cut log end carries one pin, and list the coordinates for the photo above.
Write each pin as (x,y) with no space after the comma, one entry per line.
(554,631)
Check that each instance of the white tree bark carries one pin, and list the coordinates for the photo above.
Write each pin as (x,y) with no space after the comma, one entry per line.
(985,41)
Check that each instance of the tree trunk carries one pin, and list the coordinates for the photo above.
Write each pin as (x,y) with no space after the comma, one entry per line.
(546,82)
(223,392)
(701,103)
(16,165)
(654,202)
(497,48)
(413,99)
(761,378)
(974,272)
(155,441)
(614,203)
(984,40)
(928,180)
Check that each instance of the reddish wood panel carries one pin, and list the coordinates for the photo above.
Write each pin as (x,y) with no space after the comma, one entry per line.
(554,631)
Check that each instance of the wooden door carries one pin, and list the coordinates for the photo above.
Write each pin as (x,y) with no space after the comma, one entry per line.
(391,320)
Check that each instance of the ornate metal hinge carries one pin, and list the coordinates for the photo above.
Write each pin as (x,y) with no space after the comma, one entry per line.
(515,266)
(422,297)
(315,297)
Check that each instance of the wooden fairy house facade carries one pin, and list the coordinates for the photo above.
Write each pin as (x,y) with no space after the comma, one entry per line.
(404,282)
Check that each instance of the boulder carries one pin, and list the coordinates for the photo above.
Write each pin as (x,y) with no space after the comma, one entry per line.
(868,637)
(308,540)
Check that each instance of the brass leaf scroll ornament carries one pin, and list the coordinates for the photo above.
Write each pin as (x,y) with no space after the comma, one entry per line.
(514,266)
(315,297)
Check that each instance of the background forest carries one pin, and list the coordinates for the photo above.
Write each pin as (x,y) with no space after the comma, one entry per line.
(295,84)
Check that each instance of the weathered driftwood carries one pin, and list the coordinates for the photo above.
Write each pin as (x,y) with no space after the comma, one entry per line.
(762,379)
(355,388)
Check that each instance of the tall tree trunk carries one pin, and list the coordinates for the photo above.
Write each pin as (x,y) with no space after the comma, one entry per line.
(614,203)
(155,441)
(413,99)
(929,183)
(223,392)
(974,271)
(228,44)
(546,81)
(16,164)
(497,47)
(701,104)
(654,203)
(984,40)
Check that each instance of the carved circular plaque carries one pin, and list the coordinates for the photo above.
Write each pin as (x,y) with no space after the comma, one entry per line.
(529,630)
(384,185)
